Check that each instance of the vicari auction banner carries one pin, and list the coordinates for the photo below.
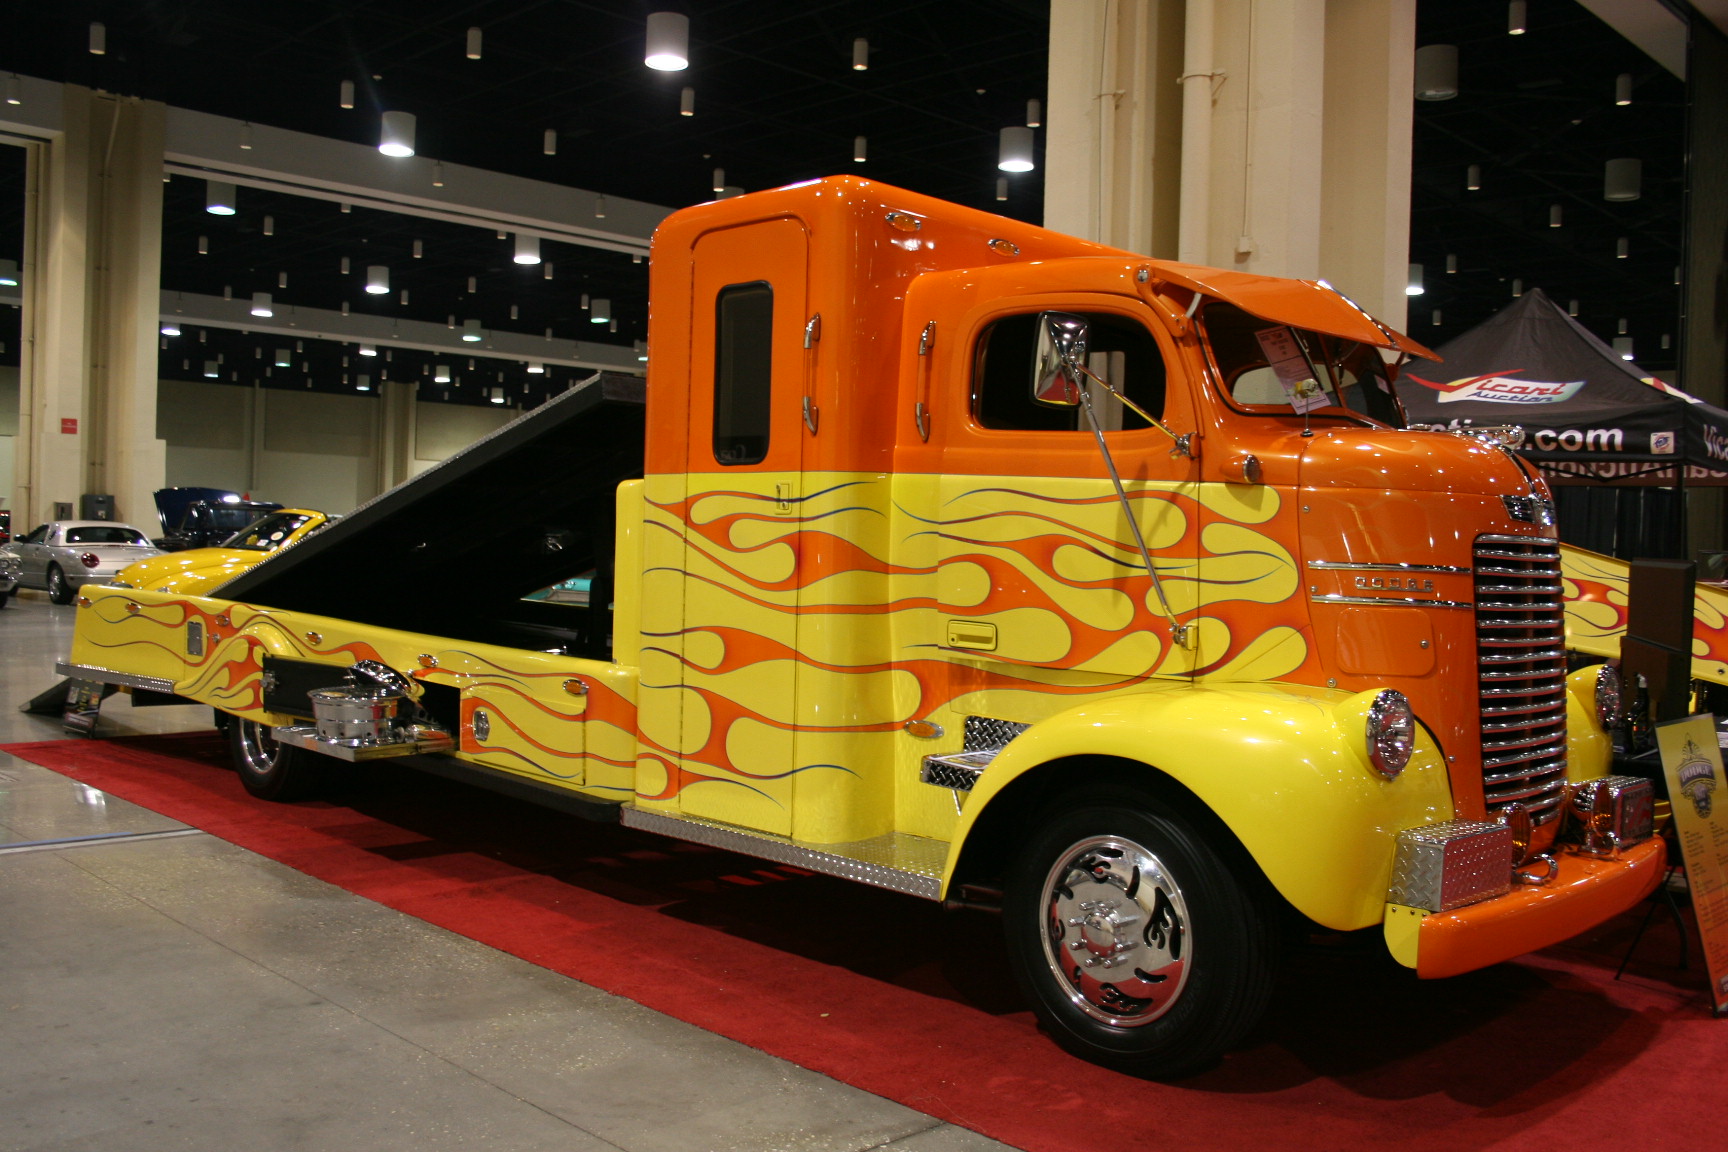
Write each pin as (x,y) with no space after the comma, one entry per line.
(1692,760)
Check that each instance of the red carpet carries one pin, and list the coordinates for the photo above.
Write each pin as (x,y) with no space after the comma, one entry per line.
(890,994)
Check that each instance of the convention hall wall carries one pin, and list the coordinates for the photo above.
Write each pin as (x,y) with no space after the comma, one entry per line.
(308,450)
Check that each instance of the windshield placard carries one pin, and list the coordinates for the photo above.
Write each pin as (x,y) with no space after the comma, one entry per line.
(1289,362)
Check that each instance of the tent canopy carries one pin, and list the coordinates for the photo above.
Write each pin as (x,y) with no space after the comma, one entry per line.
(1588,415)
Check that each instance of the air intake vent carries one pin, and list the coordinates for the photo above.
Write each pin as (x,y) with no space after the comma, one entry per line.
(1521,661)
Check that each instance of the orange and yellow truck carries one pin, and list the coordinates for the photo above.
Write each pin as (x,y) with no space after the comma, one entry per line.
(953,555)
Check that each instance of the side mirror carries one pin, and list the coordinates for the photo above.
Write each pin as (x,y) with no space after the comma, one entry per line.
(1056,379)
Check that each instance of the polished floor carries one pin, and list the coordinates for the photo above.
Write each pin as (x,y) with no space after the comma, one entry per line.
(163,989)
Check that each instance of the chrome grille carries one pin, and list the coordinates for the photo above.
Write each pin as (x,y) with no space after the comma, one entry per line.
(1521,673)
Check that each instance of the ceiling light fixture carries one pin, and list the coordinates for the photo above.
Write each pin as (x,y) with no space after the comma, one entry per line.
(368,349)
(1451,263)
(668,42)
(1623,346)
(472,48)
(1622,248)
(471,333)
(860,55)
(1437,72)
(1572,309)
(1623,89)
(1014,150)
(212,369)
(860,150)
(261,304)
(419,249)
(535,368)
(98,39)
(246,135)
(269,228)
(441,374)
(719,181)
(345,94)
(1001,188)
(527,248)
(599,310)
(203,245)
(473,285)
(377,279)
(549,142)
(281,279)
(1435,319)
(344,266)
(1413,283)
(546,269)
(1555,218)
(9,277)
(1034,113)
(14,89)
(219,198)
(396,135)
(1623,179)
(1473,178)
(1516,13)
(170,328)
(438,174)
(1517,288)
(363,382)
(687,102)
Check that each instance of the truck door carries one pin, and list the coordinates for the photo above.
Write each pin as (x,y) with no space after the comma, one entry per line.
(739,645)
(1038,565)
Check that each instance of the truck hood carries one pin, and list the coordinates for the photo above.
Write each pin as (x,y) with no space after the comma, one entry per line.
(169,573)
(1391,460)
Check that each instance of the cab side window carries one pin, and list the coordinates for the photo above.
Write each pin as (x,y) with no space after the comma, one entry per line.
(1119,350)
(37,535)
(743,372)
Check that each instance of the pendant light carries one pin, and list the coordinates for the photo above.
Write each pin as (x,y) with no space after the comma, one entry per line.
(1413,282)
(687,102)
(1623,179)
(860,54)
(668,42)
(599,310)
(471,333)
(396,134)
(219,198)
(377,279)
(1014,151)
(527,248)
(472,48)
(261,304)
(1437,72)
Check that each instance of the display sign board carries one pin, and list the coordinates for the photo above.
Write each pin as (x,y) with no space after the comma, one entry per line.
(1290,364)
(83,704)
(1692,761)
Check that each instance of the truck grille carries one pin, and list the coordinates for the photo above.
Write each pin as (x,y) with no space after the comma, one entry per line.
(1521,673)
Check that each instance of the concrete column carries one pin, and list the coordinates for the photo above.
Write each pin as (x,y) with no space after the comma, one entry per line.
(1112,151)
(1365,185)
(91,300)
(396,438)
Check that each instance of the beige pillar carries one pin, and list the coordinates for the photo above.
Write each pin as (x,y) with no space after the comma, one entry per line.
(396,438)
(1365,188)
(1112,150)
(87,406)
(1304,107)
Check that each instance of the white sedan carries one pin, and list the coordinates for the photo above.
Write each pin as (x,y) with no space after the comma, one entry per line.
(66,554)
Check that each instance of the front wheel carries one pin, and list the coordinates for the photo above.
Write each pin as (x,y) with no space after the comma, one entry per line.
(59,589)
(271,770)
(1136,945)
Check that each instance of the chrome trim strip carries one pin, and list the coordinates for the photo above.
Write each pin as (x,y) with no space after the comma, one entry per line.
(1394,601)
(1347,566)
(897,861)
(109,676)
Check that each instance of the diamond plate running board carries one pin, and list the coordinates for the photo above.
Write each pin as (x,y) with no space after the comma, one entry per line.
(898,862)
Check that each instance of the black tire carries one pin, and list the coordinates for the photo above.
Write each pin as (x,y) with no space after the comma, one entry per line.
(59,590)
(1136,945)
(5,597)
(272,771)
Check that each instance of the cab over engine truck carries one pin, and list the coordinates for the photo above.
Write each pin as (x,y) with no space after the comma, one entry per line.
(956,556)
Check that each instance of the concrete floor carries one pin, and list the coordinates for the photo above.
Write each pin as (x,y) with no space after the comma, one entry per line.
(167,990)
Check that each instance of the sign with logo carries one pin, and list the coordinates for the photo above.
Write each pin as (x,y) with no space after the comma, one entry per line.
(1503,388)
(1692,761)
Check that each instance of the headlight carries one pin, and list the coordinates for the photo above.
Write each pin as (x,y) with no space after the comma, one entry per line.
(1391,733)
(1608,708)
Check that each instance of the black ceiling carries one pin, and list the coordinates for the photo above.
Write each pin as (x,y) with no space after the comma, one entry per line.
(777,101)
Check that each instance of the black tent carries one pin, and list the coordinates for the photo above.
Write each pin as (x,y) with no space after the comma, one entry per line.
(1590,420)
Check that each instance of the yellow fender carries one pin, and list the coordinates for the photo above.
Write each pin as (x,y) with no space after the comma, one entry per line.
(1284,766)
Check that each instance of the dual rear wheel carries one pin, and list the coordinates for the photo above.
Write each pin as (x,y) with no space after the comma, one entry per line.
(271,770)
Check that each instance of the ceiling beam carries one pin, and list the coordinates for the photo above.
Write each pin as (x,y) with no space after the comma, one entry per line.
(189,309)
(301,164)
(1651,25)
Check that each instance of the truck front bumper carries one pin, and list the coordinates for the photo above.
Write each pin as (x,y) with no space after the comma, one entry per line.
(1586,891)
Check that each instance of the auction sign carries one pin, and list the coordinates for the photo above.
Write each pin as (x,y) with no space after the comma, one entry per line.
(1692,760)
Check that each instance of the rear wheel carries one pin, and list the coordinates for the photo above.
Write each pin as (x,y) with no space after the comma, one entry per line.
(1135,943)
(271,770)
(59,589)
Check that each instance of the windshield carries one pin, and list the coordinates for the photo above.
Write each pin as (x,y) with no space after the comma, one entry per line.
(1274,369)
(104,534)
(267,533)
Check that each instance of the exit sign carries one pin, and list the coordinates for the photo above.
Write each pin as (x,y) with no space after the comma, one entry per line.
(69,425)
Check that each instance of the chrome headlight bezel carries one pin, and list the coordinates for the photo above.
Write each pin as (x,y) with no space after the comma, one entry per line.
(1610,708)
(1390,734)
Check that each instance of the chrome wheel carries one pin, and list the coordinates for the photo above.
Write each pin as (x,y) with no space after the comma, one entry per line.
(1117,933)
(255,750)
(270,770)
(59,591)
